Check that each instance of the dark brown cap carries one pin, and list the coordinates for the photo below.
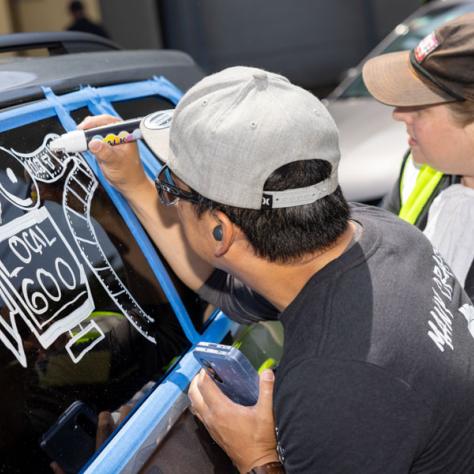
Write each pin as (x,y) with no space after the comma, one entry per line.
(440,69)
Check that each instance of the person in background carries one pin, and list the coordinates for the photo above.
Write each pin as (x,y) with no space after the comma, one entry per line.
(432,89)
(82,23)
(377,373)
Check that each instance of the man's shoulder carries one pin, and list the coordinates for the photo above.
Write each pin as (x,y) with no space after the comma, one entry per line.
(364,212)
(395,232)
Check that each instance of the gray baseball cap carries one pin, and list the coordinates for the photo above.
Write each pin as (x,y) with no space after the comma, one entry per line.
(233,129)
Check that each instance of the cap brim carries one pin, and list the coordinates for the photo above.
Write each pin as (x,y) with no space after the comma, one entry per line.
(155,130)
(391,79)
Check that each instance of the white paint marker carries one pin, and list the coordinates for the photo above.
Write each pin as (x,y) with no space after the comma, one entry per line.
(114,134)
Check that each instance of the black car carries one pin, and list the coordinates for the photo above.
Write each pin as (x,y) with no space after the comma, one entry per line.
(92,319)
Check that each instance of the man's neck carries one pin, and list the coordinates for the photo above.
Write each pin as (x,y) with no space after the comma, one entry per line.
(468,181)
(281,283)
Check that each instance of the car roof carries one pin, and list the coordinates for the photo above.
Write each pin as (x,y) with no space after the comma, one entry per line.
(67,72)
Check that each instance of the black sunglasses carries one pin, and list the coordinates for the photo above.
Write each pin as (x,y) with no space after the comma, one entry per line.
(169,192)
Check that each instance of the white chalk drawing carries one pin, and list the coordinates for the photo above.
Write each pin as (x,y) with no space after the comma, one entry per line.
(44,282)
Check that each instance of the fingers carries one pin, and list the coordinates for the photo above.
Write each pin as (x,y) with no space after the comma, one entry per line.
(104,152)
(198,406)
(56,468)
(105,427)
(124,410)
(265,396)
(101,150)
(211,394)
(97,121)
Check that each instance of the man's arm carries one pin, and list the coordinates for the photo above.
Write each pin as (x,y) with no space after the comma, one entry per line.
(122,167)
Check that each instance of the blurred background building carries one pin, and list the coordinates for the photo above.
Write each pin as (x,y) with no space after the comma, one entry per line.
(311,41)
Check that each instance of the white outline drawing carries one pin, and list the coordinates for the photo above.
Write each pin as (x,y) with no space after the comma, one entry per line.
(30,305)
(80,185)
(87,241)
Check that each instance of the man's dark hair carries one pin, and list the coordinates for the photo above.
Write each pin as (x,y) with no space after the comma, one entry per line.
(76,6)
(286,234)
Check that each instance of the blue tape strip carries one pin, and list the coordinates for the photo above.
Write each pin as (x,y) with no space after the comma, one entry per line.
(122,447)
(133,90)
(134,225)
(130,437)
(29,113)
(98,105)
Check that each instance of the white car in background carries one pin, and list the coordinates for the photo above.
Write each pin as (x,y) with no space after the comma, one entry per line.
(372,143)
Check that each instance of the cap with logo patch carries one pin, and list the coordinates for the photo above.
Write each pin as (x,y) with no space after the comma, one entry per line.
(233,129)
(440,69)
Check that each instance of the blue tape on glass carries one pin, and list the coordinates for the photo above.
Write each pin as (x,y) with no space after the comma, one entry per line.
(131,438)
(102,98)
(134,225)
(29,113)
(98,105)
(122,453)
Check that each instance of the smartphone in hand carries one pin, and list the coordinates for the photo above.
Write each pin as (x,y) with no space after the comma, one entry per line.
(71,440)
(230,370)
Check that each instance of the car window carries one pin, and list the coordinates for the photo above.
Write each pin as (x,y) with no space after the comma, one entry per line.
(129,109)
(407,38)
(82,316)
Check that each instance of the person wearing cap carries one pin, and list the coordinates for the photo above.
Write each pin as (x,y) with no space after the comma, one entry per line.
(432,89)
(377,373)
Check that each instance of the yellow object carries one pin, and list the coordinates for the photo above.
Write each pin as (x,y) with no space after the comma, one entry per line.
(426,182)
(268,364)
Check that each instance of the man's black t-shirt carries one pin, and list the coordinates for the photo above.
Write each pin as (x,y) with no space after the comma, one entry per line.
(377,374)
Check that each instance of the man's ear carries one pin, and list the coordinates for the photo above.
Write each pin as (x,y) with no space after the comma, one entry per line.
(223,233)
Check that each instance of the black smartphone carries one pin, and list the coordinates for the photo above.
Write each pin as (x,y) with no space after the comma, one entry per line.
(71,440)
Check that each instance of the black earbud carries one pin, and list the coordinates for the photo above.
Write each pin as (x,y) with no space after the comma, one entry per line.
(217,233)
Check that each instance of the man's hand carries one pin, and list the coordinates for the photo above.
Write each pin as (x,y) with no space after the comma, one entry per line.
(122,168)
(120,164)
(246,434)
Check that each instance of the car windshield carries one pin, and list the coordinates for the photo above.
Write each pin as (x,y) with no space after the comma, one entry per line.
(407,37)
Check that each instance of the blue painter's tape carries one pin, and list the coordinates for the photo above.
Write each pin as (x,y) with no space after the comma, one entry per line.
(130,438)
(102,97)
(29,113)
(132,222)
(98,105)
(122,447)
(133,90)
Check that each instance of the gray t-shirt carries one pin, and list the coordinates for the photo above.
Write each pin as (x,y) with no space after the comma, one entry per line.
(377,373)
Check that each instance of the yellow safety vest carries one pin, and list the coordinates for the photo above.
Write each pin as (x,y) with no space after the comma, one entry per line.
(417,188)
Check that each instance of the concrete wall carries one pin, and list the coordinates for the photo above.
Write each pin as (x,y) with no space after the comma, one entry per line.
(311,41)
(133,24)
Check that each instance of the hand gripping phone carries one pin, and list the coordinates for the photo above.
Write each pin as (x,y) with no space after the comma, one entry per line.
(230,370)
(71,440)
